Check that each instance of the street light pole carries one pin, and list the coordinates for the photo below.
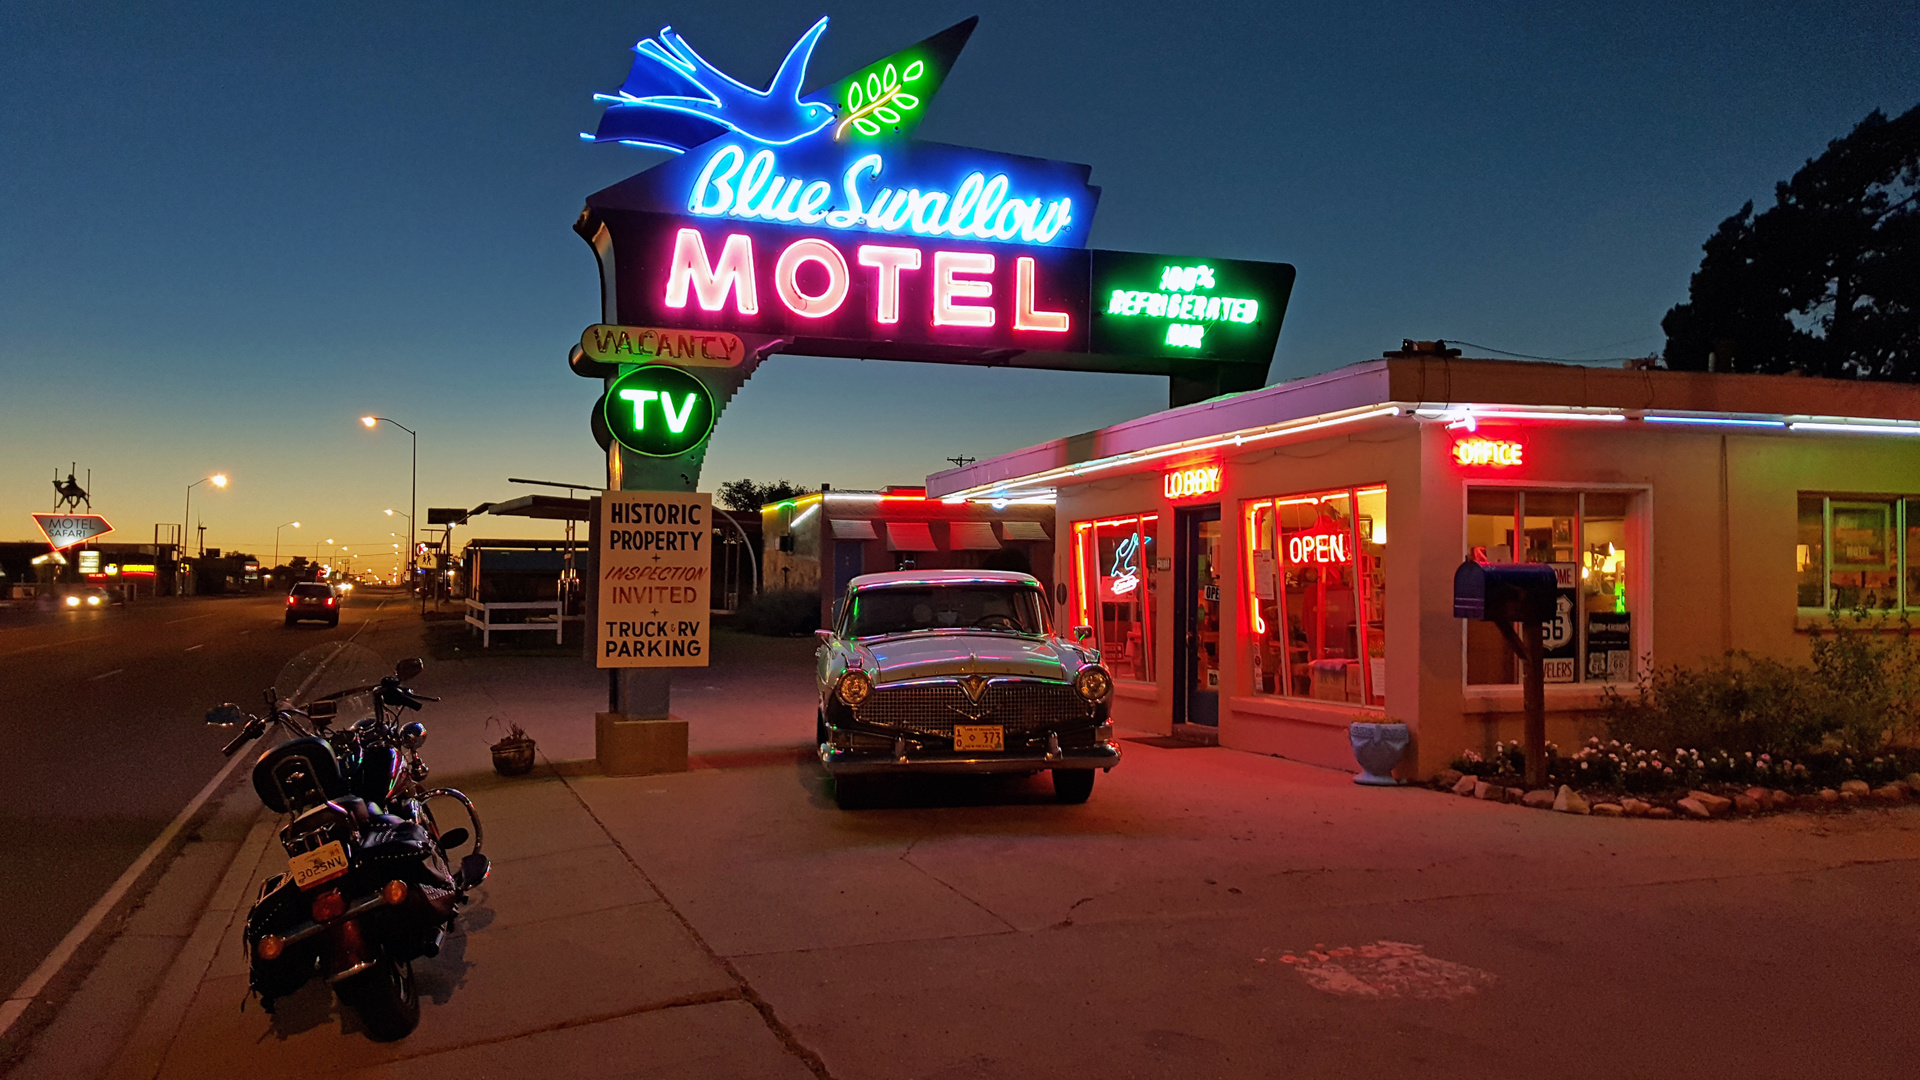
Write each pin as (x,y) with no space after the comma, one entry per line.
(276,540)
(186,517)
(413,497)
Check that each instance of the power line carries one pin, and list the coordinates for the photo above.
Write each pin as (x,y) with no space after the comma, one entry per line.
(1554,359)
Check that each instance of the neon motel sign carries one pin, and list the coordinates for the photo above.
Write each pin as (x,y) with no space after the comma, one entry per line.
(1191,483)
(1498,453)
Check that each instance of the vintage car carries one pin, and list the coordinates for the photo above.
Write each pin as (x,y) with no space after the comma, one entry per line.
(956,671)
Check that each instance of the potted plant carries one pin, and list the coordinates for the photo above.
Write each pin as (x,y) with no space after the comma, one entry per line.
(513,754)
(1378,748)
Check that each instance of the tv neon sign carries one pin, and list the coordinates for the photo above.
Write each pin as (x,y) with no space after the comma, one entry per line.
(959,285)
(731,184)
(1189,483)
(1498,453)
(658,411)
(1322,547)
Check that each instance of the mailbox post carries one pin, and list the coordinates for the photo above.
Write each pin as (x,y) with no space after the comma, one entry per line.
(1504,594)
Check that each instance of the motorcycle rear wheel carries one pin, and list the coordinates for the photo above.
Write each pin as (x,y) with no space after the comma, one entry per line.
(385,998)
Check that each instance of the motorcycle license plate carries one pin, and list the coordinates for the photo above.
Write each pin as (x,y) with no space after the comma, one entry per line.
(979,737)
(322,864)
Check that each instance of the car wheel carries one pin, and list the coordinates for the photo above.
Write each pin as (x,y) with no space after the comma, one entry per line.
(335,621)
(1072,785)
(291,620)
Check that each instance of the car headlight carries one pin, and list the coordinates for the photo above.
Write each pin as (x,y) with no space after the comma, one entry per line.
(93,601)
(1093,683)
(854,687)
(73,601)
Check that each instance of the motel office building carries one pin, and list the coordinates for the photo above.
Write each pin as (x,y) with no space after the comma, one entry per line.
(1267,567)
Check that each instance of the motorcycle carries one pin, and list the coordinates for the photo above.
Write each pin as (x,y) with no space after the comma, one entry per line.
(369,886)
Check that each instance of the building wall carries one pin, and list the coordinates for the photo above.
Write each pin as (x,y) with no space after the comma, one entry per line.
(1713,567)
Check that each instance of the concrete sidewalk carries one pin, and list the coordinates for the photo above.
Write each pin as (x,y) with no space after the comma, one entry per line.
(1207,913)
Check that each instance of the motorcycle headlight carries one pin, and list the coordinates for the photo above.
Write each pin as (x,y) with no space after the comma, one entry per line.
(1093,683)
(854,687)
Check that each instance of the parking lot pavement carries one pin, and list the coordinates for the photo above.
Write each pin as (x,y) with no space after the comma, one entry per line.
(1209,913)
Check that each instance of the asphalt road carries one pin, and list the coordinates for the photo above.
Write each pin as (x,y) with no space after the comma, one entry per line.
(102,740)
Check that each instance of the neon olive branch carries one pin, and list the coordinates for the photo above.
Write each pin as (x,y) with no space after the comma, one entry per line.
(878,96)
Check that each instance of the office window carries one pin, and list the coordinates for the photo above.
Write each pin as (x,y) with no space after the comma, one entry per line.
(1583,536)
(1114,592)
(1857,553)
(1317,594)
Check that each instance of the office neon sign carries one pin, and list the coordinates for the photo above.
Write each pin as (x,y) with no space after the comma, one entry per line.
(1498,453)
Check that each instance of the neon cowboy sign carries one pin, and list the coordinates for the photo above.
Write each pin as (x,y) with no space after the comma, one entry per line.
(818,224)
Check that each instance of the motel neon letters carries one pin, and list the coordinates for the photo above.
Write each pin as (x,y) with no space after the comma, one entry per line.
(1191,483)
(813,279)
(1498,453)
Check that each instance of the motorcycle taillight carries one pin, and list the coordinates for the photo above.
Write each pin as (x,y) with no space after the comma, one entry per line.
(329,905)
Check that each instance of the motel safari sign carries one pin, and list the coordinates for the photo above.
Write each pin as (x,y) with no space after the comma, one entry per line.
(818,224)
(66,530)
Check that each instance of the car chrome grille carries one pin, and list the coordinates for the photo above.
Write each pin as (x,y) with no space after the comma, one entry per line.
(933,706)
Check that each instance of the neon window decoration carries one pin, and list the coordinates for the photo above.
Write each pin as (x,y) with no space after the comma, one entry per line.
(1114,591)
(1317,599)
(1586,537)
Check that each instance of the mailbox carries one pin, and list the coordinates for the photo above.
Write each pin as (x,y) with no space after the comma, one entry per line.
(1504,592)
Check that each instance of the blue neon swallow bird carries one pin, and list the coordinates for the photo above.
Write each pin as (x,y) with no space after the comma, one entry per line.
(674,100)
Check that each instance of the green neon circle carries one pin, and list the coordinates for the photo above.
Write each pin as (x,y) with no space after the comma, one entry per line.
(658,410)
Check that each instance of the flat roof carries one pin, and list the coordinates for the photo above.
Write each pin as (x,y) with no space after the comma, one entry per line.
(1376,391)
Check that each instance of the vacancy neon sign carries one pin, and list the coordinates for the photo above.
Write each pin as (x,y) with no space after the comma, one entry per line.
(813,278)
(1499,453)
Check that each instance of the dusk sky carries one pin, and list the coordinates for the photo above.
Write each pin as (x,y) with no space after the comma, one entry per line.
(227,230)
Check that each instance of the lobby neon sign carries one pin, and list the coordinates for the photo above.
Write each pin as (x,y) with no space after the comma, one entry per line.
(1191,483)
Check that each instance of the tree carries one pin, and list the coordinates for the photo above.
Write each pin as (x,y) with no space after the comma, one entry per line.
(1827,280)
(753,494)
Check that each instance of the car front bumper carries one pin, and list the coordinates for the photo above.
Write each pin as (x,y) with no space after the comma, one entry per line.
(1103,755)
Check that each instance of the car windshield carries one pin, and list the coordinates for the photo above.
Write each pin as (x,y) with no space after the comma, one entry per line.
(904,609)
(312,590)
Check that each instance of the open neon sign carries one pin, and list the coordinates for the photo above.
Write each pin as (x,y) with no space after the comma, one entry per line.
(1320,547)
(1498,453)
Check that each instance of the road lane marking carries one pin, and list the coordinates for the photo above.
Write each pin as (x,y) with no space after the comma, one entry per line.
(52,644)
(107,674)
(202,645)
(190,618)
(15,1006)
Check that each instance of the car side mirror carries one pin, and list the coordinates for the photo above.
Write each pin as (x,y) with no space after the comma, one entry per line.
(824,635)
(226,715)
(408,668)
(1082,633)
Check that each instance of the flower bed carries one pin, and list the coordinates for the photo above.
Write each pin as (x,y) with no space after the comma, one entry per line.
(1617,779)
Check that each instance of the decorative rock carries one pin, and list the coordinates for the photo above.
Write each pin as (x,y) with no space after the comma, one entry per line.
(1781,800)
(1660,812)
(1913,782)
(1446,778)
(1465,785)
(1892,794)
(1829,796)
(1481,788)
(1607,809)
(1715,805)
(1516,795)
(1855,787)
(1757,794)
(1635,807)
(1539,799)
(1850,798)
(1568,802)
(1695,808)
(1747,804)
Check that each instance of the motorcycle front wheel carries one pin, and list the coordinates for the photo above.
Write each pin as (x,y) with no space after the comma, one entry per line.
(385,998)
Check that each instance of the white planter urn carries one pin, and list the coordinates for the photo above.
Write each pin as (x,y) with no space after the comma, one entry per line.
(1378,748)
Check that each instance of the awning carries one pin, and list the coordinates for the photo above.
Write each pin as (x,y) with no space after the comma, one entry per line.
(909,536)
(1024,530)
(973,536)
(844,529)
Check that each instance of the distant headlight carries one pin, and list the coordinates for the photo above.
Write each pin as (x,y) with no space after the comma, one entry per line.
(854,687)
(1093,683)
(93,601)
(73,601)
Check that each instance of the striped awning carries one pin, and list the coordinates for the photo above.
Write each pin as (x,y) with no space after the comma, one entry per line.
(852,529)
(1024,530)
(910,536)
(972,536)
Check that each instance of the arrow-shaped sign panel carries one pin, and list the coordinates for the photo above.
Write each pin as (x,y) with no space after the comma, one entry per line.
(66,530)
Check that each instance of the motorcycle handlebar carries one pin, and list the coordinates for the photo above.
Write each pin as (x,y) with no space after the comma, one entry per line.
(247,734)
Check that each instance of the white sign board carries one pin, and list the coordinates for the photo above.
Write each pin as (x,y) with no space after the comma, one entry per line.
(656,579)
(66,530)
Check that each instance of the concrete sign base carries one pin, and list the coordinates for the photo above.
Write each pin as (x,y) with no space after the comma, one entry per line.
(626,746)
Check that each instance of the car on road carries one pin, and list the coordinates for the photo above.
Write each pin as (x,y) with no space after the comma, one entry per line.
(313,600)
(958,671)
(87,598)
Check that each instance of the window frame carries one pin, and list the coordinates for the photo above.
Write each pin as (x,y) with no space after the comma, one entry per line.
(1372,698)
(1083,599)
(1900,521)
(1639,530)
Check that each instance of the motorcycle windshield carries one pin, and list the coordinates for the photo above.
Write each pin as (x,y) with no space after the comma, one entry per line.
(339,672)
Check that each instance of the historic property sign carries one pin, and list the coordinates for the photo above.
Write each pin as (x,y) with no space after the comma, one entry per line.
(655,566)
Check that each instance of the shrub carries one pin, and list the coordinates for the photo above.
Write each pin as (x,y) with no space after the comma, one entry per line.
(780,613)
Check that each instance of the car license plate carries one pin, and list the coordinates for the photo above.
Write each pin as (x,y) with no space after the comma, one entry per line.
(979,737)
(322,864)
